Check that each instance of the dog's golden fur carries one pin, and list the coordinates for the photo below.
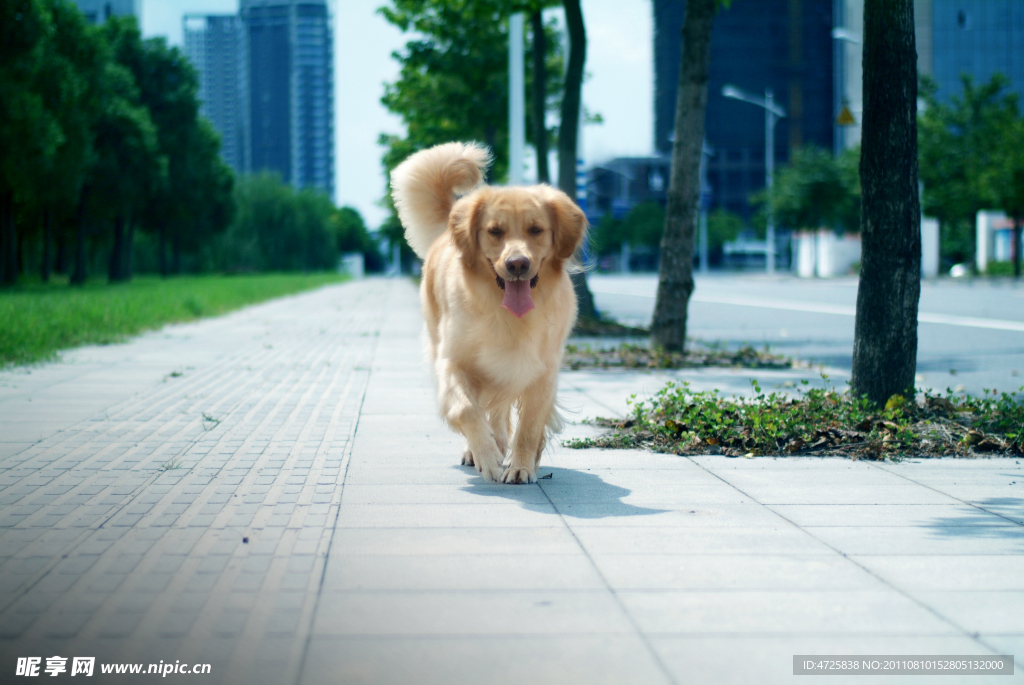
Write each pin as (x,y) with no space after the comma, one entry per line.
(491,352)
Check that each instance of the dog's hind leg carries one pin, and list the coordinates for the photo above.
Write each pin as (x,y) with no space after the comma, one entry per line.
(535,409)
(461,409)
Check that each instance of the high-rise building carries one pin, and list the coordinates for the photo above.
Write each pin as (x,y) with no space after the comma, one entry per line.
(784,45)
(288,90)
(978,38)
(212,44)
(97,11)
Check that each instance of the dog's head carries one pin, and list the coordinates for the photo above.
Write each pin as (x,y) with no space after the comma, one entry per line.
(516,232)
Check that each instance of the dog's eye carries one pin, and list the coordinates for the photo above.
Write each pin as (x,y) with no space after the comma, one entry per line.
(495,231)
(536,230)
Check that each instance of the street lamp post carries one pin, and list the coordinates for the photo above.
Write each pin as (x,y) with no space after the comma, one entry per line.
(772,113)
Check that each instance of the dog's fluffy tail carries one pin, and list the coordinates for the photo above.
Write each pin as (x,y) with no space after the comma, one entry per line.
(425,185)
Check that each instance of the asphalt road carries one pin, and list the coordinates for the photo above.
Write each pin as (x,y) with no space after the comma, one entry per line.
(970,333)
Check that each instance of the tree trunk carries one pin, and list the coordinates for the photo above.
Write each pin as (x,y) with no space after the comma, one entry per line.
(60,260)
(175,256)
(1017,221)
(885,336)
(44,264)
(115,271)
(540,90)
(568,133)
(675,275)
(78,274)
(8,240)
(161,248)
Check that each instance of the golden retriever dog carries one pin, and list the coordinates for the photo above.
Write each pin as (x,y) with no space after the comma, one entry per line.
(497,300)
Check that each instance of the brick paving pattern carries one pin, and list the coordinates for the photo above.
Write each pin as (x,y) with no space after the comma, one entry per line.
(192,521)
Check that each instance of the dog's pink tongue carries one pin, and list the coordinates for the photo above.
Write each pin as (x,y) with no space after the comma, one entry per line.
(517,297)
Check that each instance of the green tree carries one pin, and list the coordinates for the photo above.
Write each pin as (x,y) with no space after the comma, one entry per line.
(277,228)
(1006,178)
(168,88)
(73,67)
(29,131)
(352,236)
(723,226)
(453,83)
(959,145)
(817,189)
(128,167)
(641,227)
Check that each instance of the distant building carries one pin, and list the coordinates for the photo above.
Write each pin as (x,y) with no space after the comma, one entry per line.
(98,11)
(212,44)
(288,90)
(979,38)
(785,45)
(620,184)
(954,37)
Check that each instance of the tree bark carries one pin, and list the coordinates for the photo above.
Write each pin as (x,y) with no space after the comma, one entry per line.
(675,275)
(1017,221)
(175,255)
(885,335)
(568,133)
(540,91)
(161,248)
(78,273)
(44,264)
(115,271)
(8,240)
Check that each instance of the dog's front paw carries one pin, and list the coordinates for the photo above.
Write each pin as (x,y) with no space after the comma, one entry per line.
(519,474)
(490,469)
(467,457)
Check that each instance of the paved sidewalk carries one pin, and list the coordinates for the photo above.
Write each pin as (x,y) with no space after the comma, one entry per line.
(290,509)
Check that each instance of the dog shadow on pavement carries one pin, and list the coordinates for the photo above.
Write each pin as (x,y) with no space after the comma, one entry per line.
(576,494)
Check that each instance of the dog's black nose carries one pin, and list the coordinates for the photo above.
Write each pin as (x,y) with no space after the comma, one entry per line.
(517,267)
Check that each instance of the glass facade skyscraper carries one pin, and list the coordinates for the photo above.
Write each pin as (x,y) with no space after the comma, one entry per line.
(212,45)
(288,90)
(98,11)
(978,38)
(784,45)
(267,85)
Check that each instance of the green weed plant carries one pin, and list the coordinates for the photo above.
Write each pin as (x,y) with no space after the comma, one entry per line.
(817,421)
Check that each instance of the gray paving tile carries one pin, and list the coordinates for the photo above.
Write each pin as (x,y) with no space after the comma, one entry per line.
(494,515)
(865,612)
(979,611)
(552,539)
(983,572)
(783,539)
(469,613)
(767,572)
(511,660)
(894,540)
(461,572)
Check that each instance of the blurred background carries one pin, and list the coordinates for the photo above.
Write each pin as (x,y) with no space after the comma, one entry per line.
(233,136)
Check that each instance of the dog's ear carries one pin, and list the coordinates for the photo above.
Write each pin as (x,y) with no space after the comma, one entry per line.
(570,224)
(463,222)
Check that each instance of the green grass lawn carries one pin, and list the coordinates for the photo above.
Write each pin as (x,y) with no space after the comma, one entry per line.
(38,320)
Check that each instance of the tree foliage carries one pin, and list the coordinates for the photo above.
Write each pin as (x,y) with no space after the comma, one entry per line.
(641,227)
(100,137)
(967,147)
(817,189)
(453,83)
